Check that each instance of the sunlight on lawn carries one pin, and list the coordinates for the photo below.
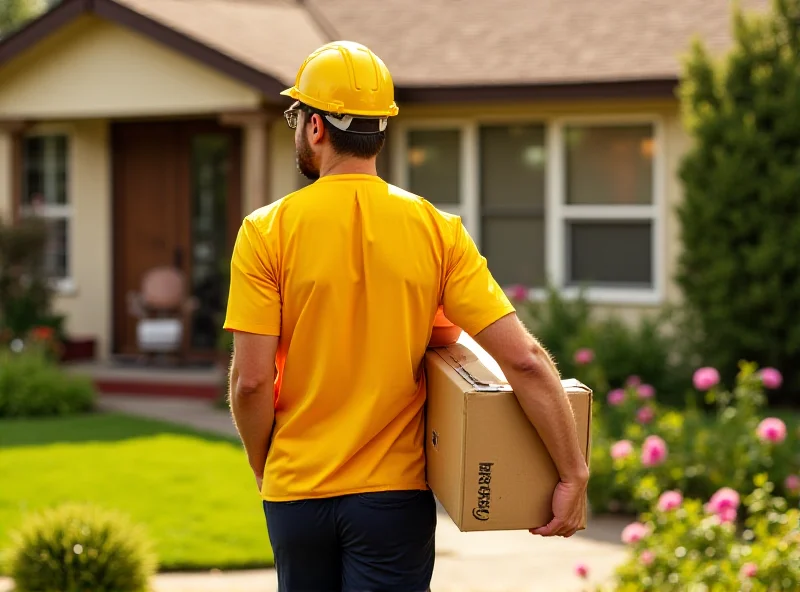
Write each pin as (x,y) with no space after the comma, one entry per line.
(193,493)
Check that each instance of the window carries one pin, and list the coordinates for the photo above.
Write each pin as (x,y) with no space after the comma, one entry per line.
(574,202)
(512,196)
(45,193)
(434,165)
(607,206)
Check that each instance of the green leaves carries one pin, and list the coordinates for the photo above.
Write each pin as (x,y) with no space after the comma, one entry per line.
(741,177)
(81,548)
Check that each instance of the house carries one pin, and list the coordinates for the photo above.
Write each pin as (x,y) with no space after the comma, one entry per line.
(145,129)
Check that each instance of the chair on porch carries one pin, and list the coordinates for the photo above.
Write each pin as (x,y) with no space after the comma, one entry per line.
(163,309)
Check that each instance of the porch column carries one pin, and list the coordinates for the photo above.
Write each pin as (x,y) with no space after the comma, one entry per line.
(10,168)
(255,156)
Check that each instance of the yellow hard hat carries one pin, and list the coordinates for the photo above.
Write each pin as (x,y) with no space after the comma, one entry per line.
(345,78)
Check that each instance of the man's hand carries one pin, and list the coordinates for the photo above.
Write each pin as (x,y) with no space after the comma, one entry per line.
(259,482)
(568,506)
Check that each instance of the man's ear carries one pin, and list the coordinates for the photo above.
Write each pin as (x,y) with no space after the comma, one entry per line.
(317,129)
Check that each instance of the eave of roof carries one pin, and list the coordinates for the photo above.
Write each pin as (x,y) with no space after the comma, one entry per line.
(70,10)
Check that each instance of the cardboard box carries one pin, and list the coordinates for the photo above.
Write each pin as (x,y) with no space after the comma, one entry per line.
(485,462)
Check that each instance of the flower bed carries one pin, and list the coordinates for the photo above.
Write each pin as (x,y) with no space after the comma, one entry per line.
(641,448)
(716,494)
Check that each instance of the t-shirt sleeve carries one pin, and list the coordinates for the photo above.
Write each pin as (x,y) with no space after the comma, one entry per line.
(254,299)
(472,298)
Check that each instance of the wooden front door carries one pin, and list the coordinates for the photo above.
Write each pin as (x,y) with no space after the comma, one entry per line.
(176,202)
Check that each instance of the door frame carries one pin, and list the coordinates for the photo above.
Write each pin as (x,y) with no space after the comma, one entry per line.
(185,128)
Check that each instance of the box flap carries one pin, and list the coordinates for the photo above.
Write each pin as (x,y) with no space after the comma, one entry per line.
(470,368)
(575,386)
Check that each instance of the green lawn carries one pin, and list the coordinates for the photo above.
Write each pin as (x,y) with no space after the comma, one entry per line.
(193,492)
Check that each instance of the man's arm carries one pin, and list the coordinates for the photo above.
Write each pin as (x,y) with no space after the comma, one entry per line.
(536,382)
(474,301)
(252,378)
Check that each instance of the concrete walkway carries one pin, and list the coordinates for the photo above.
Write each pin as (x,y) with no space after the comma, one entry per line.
(465,562)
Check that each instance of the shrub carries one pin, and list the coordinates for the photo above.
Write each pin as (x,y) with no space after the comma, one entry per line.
(702,452)
(77,548)
(619,349)
(25,291)
(738,264)
(33,385)
(682,545)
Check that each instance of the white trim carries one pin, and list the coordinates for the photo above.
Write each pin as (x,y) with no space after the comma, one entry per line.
(50,211)
(602,295)
(64,286)
(553,205)
(471,181)
(660,204)
(608,212)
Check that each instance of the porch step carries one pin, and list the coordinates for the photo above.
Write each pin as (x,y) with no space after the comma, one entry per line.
(140,380)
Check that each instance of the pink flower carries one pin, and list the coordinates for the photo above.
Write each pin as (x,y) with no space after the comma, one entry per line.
(727,515)
(517,292)
(646,391)
(621,449)
(647,557)
(633,533)
(645,415)
(582,570)
(771,430)
(670,500)
(654,451)
(633,381)
(749,570)
(792,483)
(771,378)
(584,356)
(705,378)
(724,504)
(616,397)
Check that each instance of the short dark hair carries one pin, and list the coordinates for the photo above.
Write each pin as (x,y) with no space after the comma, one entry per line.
(358,145)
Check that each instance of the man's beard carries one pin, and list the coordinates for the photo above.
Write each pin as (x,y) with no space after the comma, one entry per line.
(305,160)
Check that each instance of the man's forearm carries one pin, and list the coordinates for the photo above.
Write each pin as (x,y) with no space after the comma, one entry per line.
(253,414)
(541,395)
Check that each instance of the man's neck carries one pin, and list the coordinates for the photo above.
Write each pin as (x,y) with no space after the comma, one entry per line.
(349,166)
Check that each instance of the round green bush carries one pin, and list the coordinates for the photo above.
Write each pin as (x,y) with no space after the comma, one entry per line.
(80,548)
(32,385)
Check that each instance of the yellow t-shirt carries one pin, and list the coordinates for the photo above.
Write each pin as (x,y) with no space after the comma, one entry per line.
(350,272)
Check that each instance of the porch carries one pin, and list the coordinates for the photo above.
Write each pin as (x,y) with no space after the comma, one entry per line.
(129,377)
(139,157)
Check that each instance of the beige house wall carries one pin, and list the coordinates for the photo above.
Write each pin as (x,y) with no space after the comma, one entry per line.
(94,69)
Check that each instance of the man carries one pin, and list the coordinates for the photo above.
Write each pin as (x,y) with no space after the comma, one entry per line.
(334,293)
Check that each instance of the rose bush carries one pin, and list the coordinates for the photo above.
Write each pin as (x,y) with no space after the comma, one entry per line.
(685,544)
(641,448)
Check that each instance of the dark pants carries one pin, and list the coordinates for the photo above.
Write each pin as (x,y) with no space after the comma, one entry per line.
(371,542)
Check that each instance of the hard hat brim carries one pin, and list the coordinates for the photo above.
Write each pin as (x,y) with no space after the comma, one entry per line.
(295,93)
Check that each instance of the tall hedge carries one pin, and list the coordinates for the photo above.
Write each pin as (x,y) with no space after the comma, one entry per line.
(740,220)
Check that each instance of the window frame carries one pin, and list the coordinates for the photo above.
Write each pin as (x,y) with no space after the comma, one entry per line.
(557,213)
(62,285)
